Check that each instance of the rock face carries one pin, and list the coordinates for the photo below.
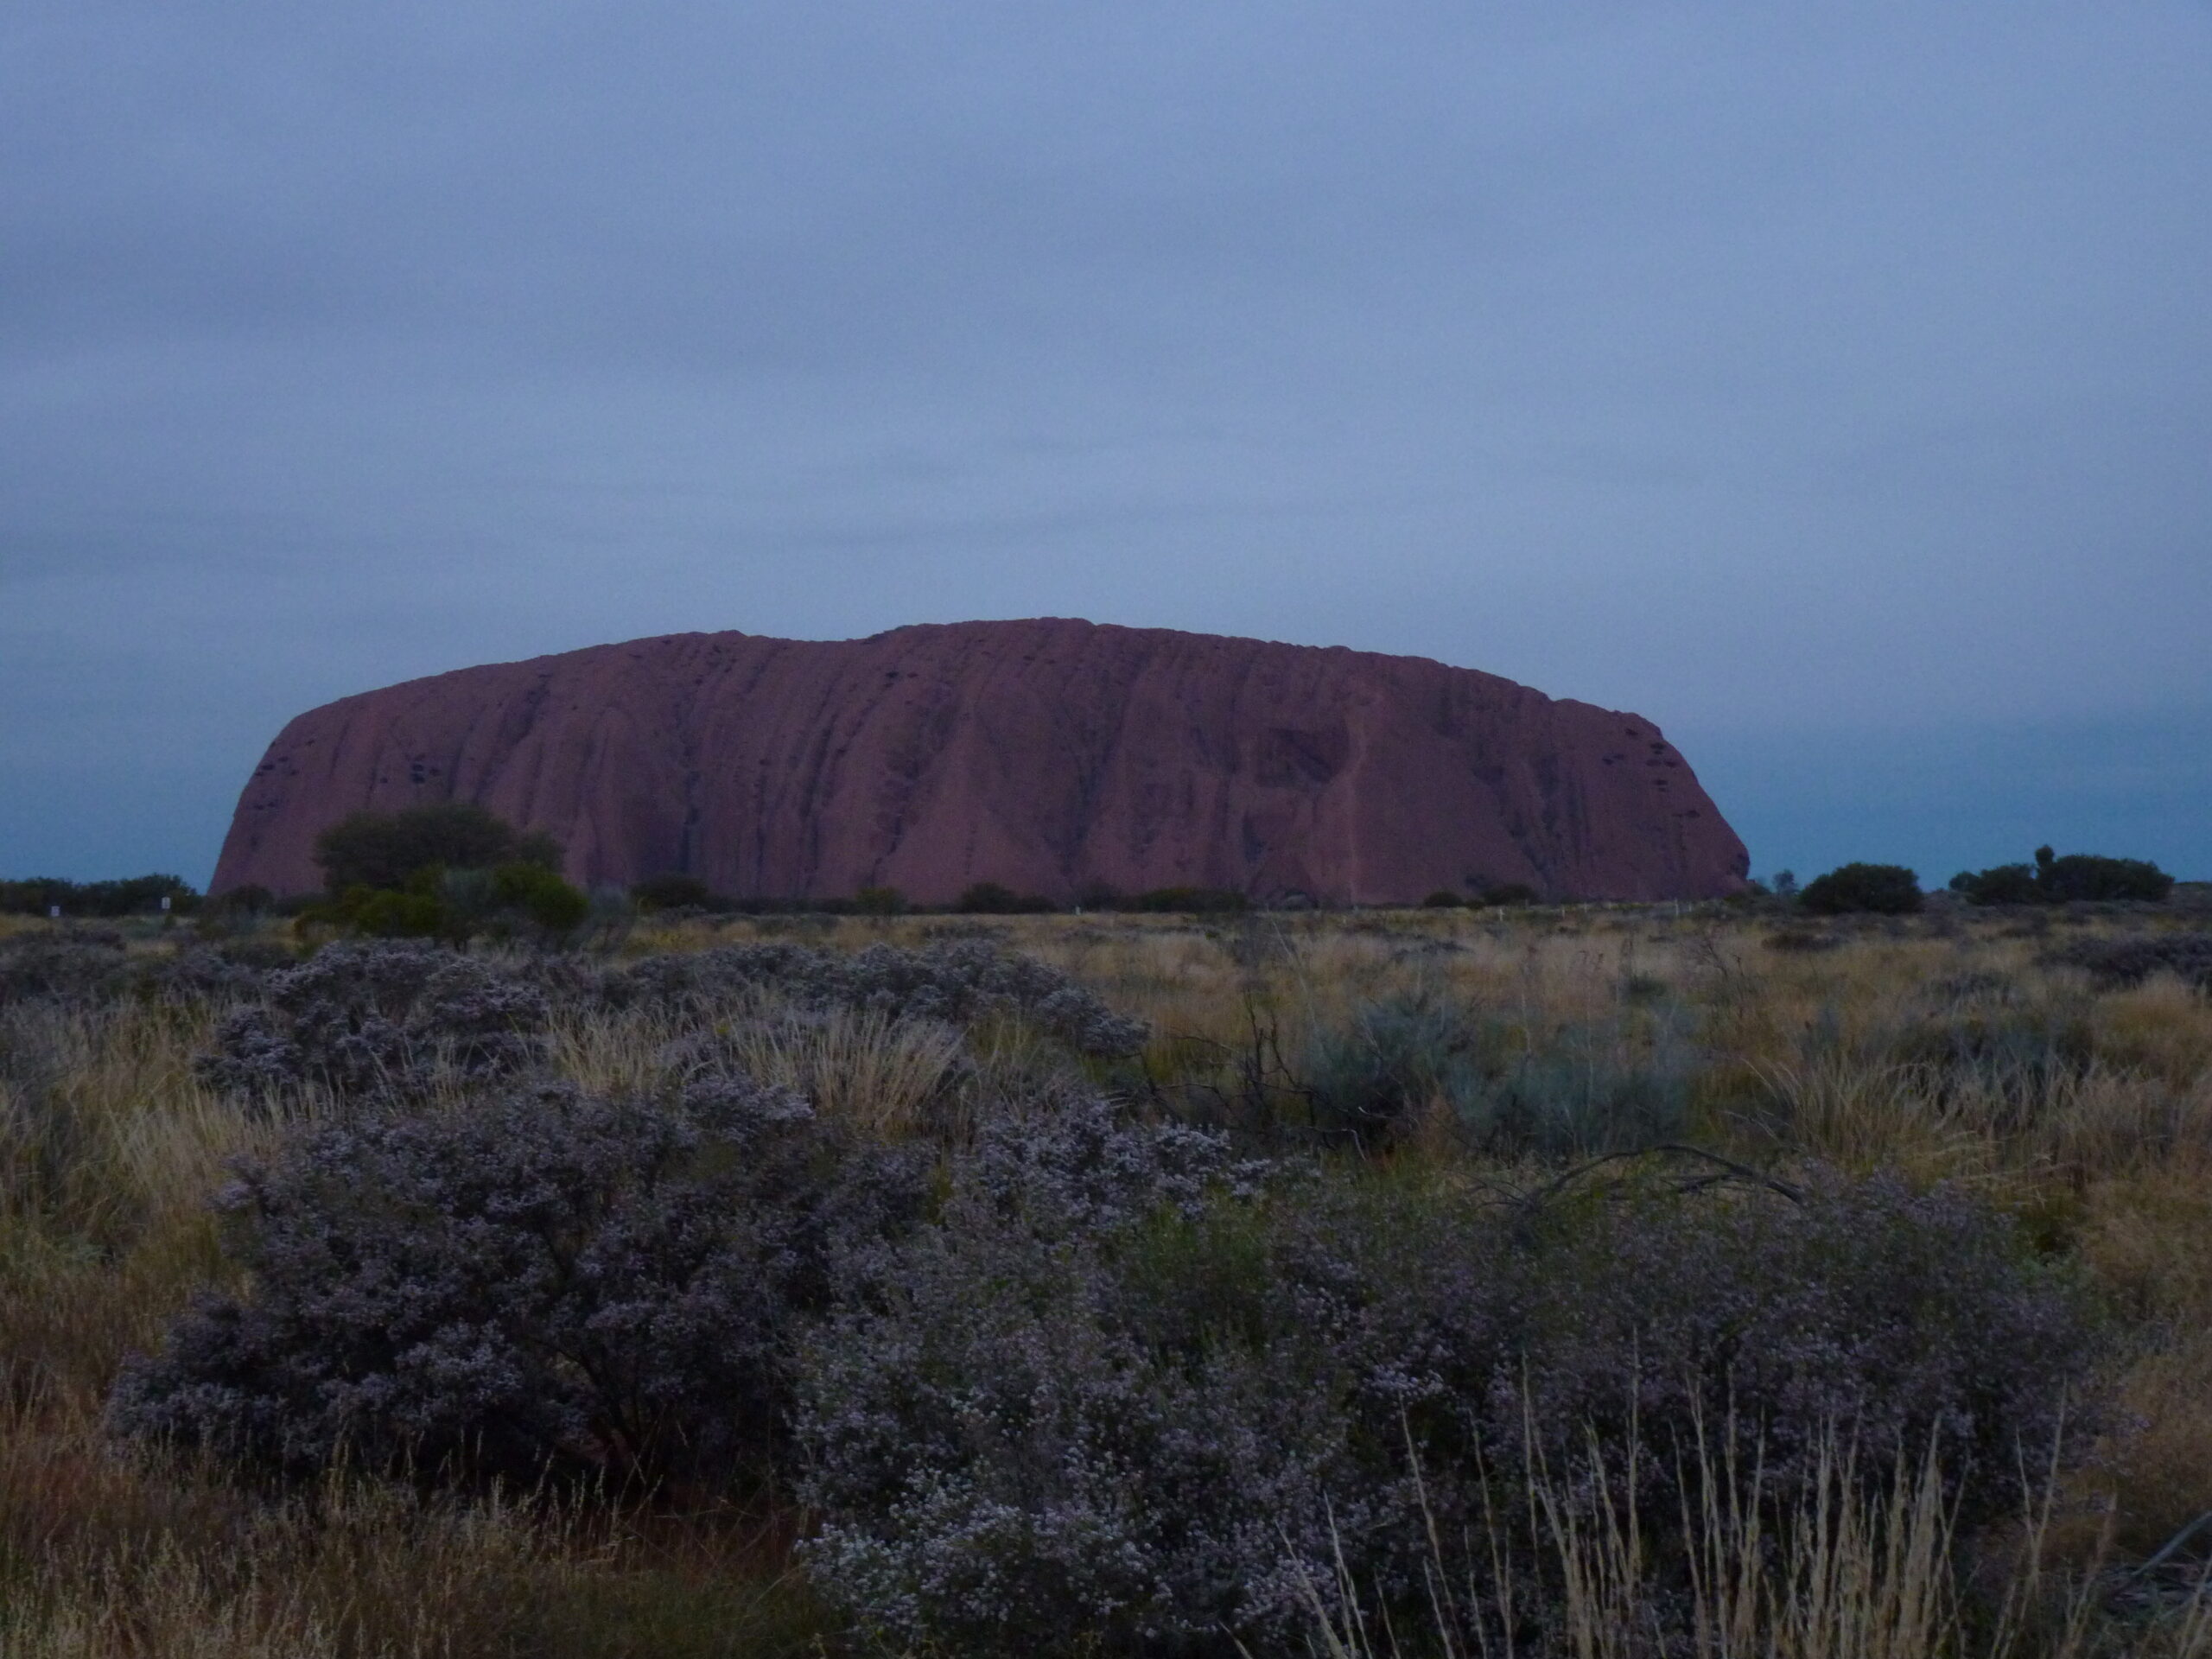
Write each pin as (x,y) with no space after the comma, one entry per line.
(1049,756)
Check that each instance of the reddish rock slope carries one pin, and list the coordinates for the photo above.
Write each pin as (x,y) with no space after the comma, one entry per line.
(1047,756)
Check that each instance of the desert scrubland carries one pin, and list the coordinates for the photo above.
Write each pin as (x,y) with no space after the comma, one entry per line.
(1696,1279)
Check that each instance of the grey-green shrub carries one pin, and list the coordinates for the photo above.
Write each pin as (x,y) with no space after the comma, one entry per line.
(1604,1085)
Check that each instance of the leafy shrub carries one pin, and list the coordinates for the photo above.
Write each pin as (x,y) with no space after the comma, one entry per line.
(519,899)
(381,850)
(1155,1413)
(959,982)
(879,901)
(1882,889)
(553,906)
(1444,899)
(375,1020)
(535,1282)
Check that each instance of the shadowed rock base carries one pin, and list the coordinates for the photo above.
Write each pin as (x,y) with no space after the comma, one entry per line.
(1052,756)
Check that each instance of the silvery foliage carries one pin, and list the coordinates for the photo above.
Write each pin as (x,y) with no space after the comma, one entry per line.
(959,982)
(1140,1419)
(91,965)
(380,1019)
(518,1282)
(1004,1454)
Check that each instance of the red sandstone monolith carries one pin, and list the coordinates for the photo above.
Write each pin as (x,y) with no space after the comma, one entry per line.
(1049,756)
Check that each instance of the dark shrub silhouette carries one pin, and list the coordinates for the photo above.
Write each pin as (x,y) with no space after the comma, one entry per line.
(132,896)
(2053,880)
(2003,884)
(1880,889)
(1194,901)
(2086,876)
(676,892)
(1513,893)
(383,849)
(991,899)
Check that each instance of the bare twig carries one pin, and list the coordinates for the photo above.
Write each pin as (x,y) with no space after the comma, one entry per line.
(1674,1148)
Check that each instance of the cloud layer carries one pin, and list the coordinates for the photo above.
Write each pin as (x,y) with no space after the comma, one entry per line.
(1839,378)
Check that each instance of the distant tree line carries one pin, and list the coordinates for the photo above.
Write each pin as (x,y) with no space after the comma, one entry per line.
(137,895)
(2055,880)
(1893,890)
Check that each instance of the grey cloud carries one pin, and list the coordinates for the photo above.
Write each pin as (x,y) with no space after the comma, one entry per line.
(1758,369)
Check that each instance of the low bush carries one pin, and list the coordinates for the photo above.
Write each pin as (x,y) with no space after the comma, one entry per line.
(676,892)
(2132,959)
(76,963)
(381,1019)
(1879,889)
(526,1284)
(1508,894)
(958,981)
(1166,1415)
(991,899)
(1189,901)
(1598,1086)
(518,899)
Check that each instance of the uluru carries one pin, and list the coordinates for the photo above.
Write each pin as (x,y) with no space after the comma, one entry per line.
(1052,756)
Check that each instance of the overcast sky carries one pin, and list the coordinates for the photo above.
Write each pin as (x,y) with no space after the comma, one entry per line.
(1831,384)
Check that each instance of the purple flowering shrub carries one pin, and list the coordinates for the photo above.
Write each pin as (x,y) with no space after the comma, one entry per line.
(380,1019)
(958,981)
(522,1282)
(1136,1423)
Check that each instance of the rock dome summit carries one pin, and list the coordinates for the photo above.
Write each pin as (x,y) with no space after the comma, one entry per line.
(1053,756)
